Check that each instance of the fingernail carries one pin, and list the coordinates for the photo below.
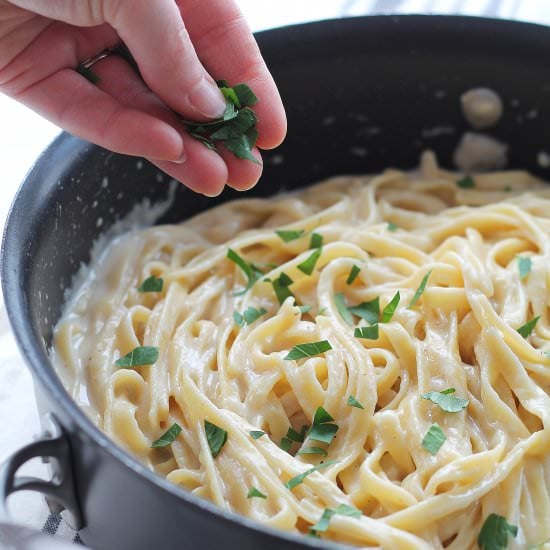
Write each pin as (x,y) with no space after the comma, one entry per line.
(182,158)
(207,99)
(212,194)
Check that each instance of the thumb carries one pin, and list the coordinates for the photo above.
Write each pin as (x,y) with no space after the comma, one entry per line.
(155,34)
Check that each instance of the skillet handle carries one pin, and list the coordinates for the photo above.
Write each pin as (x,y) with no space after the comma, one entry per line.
(60,490)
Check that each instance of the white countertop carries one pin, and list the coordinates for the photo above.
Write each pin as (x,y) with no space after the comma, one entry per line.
(23,135)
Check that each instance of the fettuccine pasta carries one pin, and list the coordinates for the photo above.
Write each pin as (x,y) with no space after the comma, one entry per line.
(366,361)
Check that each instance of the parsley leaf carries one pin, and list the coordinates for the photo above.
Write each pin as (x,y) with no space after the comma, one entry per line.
(280,287)
(256,434)
(389,310)
(367,333)
(526,329)
(286,443)
(290,235)
(253,492)
(216,437)
(494,533)
(168,437)
(311,349)
(142,355)
(446,401)
(297,480)
(352,402)
(467,182)
(322,429)
(293,435)
(312,451)
(434,439)
(392,226)
(316,240)
(524,266)
(340,303)
(308,265)
(420,290)
(355,270)
(252,274)
(342,510)
(304,309)
(151,284)
(369,311)
(250,315)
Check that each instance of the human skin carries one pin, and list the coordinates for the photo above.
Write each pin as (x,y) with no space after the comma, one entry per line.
(181,48)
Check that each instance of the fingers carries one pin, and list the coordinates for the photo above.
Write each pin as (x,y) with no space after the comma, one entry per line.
(155,34)
(229,51)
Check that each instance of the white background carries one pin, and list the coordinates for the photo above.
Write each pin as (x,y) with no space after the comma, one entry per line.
(23,135)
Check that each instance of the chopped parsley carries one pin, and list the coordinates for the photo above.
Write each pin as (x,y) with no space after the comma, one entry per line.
(526,329)
(255,493)
(352,402)
(446,401)
(494,533)
(168,437)
(312,451)
(293,435)
(434,439)
(151,284)
(420,290)
(308,265)
(251,272)
(316,240)
(216,437)
(142,355)
(304,309)
(392,226)
(250,315)
(389,310)
(323,429)
(467,182)
(280,287)
(290,235)
(342,510)
(367,333)
(256,434)
(308,350)
(369,311)
(340,303)
(299,479)
(524,266)
(286,444)
(355,270)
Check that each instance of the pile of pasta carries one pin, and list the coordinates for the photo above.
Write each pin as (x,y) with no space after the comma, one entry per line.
(365,361)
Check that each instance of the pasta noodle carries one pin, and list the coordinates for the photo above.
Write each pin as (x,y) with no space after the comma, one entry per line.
(471,262)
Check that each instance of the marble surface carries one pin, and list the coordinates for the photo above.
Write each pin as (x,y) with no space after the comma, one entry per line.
(23,135)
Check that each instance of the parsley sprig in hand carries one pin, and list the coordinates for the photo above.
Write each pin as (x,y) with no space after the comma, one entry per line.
(237,129)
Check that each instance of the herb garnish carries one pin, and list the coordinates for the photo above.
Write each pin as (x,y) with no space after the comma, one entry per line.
(367,333)
(389,310)
(253,492)
(369,311)
(526,329)
(322,430)
(420,290)
(304,309)
(293,435)
(308,265)
(342,510)
(446,401)
(297,480)
(494,533)
(280,287)
(290,235)
(168,437)
(250,315)
(316,240)
(467,182)
(340,303)
(256,434)
(352,402)
(392,226)
(216,437)
(311,349)
(251,272)
(355,270)
(236,129)
(151,284)
(312,451)
(524,266)
(434,439)
(285,445)
(142,355)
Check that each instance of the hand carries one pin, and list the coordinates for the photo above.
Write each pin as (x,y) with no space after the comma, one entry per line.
(180,47)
